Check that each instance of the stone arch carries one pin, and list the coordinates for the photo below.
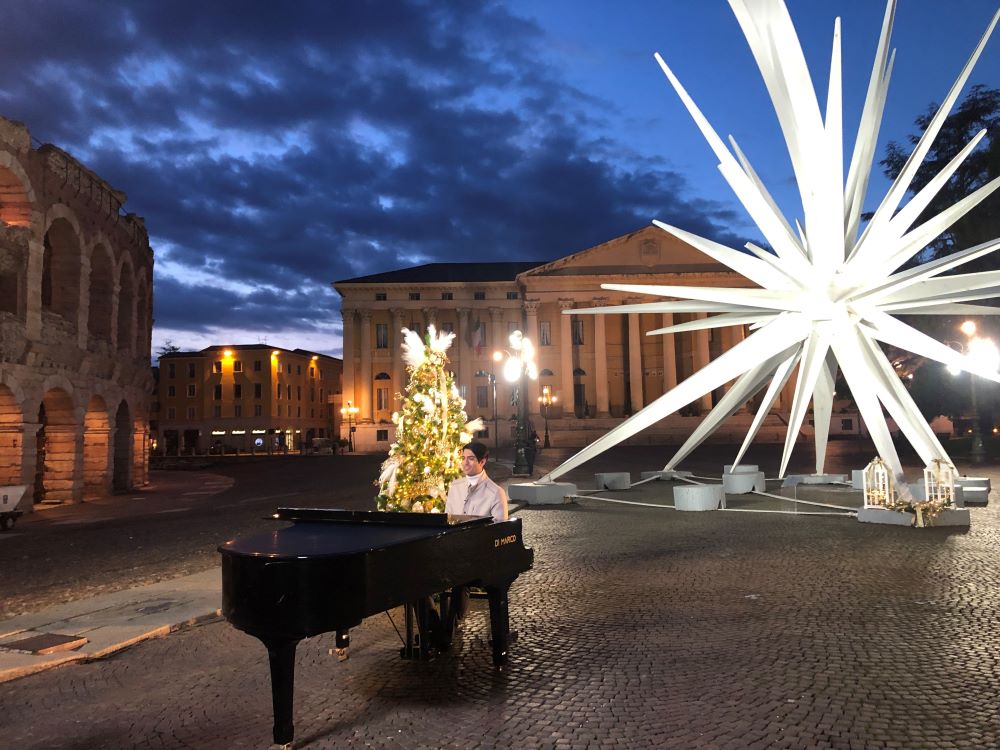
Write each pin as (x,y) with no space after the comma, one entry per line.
(122,476)
(11,437)
(60,290)
(126,307)
(102,292)
(96,448)
(55,465)
(16,194)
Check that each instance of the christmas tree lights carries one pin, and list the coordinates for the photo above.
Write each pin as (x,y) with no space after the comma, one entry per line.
(431,428)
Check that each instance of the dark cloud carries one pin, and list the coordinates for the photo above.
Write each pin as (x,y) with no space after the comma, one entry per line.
(285,149)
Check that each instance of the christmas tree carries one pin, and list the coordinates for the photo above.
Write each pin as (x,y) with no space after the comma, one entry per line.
(431,429)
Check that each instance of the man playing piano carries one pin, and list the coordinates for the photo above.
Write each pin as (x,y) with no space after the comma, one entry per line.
(476,494)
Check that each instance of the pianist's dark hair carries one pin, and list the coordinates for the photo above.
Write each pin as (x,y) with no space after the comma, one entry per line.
(478,448)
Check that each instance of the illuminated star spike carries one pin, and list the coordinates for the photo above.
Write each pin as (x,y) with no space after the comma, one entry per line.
(827,296)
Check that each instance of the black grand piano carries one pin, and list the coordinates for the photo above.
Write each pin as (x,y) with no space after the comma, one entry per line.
(333,568)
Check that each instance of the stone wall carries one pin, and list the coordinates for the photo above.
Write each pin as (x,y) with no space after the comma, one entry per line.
(76,277)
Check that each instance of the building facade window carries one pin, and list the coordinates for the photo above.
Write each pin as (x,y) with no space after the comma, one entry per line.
(298,393)
(256,365)
(312,372)
(513,295)
(380,296)
(382,436)
(279,390)
(577,332)
(171,412)
(171,390)
(237,365)
(414,295)
(217,366)
(191,390)
(447,295)
(258,390)
(447,327)
(381,335)
(258,410)
(190,412)
(172,370)
(237,390)
(191,369)
(482,396)
(288,391)
(217,392)
(217,410)
(238,410)
(382,399)
(479,295)
(544,333)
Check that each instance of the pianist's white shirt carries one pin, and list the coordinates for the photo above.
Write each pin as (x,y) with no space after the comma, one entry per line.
(477,496)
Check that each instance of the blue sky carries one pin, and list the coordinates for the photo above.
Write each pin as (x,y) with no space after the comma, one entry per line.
(272,152)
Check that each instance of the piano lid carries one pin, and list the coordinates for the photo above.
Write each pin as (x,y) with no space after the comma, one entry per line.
(319,532)
(335,515)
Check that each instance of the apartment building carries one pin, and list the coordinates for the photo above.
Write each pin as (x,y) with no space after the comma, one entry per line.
(246,398)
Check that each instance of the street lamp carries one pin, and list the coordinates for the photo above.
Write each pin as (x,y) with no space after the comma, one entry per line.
(520,366)
(349,411)
(982,355)
(491,377)
(546,400)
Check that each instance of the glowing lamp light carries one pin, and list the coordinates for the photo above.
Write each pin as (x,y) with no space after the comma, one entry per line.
(968,328)
(227,353)
(512,370)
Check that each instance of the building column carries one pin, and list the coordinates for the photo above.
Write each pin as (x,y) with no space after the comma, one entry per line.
(364,390)
(669,355)
(601,359)
(635,361)
(396,338)
(700,361)
(33,291)
(566,357)
(531,331)
(349,381)
(461,352)
(498,337)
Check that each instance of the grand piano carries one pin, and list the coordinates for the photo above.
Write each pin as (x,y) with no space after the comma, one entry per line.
(332,568)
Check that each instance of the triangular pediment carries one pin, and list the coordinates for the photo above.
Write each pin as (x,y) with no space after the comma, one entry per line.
(647,250)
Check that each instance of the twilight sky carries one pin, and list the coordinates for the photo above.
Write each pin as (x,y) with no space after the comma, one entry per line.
(273,148)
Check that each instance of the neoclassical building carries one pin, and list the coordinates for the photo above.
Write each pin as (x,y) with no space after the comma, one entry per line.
(76,298)
(601,368)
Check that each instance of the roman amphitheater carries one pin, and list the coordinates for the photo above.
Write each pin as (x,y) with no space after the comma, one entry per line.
(76,277)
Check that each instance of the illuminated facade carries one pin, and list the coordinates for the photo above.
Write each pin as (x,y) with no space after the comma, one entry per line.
(601,368)
(250,398)
(76,297)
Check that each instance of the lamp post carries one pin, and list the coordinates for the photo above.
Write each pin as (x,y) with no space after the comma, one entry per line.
(983,355)
(519,367)
(492,379)
(350,410)
(546,400)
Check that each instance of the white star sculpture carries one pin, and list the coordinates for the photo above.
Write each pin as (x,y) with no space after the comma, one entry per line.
(827,295)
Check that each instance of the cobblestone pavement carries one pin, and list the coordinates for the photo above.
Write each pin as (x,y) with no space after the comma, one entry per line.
(638,627)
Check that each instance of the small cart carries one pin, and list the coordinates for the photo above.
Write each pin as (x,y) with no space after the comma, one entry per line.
(10,498)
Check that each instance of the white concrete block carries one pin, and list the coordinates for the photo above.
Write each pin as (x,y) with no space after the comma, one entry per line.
(740,468)
(665,475)
(953,517)
(883,515)
(858,479)
(975,490)
(698,496)
(742,482)
(613,480)
(541,493)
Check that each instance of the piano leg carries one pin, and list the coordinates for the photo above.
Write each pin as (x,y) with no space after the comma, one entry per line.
(499,620)
(281,655)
